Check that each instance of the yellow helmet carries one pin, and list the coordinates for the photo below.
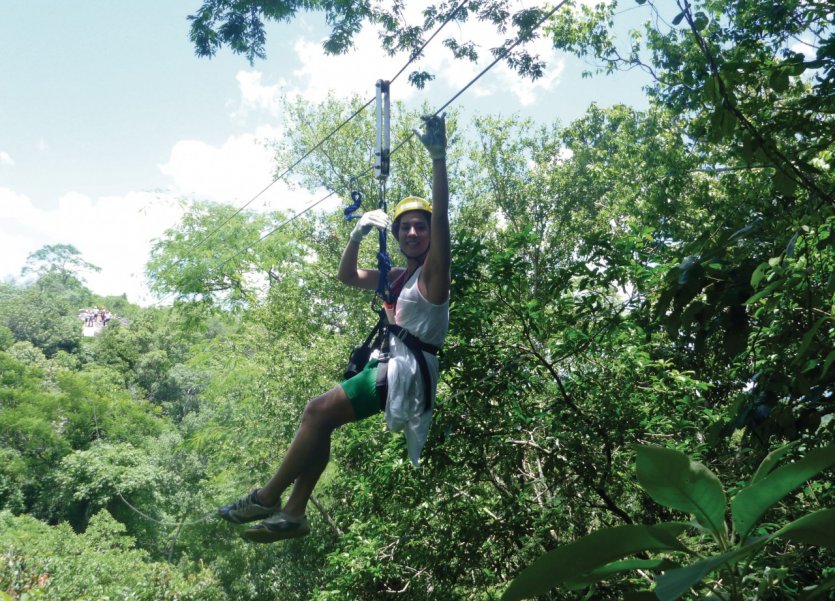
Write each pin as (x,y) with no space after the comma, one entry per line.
(410,203)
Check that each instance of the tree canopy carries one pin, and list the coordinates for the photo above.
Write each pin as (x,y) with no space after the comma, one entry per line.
(242,26)
(61,260)
(637,389)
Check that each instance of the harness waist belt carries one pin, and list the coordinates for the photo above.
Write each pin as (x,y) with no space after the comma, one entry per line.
(417,346)
(412,341)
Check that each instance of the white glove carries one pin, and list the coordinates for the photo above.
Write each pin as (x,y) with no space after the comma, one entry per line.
(376,218)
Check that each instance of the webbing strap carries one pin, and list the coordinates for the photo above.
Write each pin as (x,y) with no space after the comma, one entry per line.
(412,341)
(417,347)
(384,267)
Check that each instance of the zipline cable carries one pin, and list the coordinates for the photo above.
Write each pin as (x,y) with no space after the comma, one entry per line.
(283,173)
(501,55)
(415,54)
(419,51)
(333,132)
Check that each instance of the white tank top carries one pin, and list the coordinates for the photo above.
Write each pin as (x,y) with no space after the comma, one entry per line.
(405,404)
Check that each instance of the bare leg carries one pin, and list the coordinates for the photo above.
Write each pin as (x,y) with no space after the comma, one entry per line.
(309,452)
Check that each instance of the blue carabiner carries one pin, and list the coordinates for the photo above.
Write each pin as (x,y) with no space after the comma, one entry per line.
(349,211)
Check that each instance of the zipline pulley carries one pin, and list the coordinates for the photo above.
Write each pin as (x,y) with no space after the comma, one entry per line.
(382,150)
(382,156)
(382,162)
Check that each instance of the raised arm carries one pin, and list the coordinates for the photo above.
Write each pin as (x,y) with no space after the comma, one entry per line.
(434,280)
(348,272)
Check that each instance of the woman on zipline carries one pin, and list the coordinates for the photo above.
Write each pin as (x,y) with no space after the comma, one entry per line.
(421,310)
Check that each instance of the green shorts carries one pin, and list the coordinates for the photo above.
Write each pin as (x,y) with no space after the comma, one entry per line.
(361,390)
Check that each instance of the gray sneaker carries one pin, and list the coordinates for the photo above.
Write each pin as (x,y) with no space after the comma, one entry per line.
(278,526)
(247,509)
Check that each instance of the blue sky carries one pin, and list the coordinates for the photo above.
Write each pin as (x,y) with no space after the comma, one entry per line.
(108,119)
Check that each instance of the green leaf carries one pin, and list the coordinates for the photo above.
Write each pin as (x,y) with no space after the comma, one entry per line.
(809,336)
(790,245)
(770,462)
(827,363)
(817,593)
(783,183)
(722,124)
(673,584)
(765,291)
(693,309)
(743,230)
(755,499)
(639,596)
(750,148)
(592,552)
(816,528)
(758,274)
(674,480)
(779,80)
(711,90)
(619,567)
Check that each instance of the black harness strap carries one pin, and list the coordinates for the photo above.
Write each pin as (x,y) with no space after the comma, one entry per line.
(414,344)
(418,347)
(360,355)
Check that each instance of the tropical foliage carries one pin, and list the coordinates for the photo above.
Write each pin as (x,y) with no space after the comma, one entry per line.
(642,329)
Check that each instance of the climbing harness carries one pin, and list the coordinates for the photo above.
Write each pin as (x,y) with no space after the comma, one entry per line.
(414,344)
(379,338)
(375,340)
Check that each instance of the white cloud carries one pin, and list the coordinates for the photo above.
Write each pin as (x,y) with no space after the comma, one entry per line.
(120,238)
(805,48)
(358,70)
(354,73)
(16,218)
(114,233)
(255,96)
(500,78)
(233,173)
(6,159)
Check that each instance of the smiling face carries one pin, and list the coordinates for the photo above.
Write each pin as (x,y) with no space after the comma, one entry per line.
(413,234)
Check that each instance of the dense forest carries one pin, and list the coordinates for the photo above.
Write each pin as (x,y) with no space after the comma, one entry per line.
(636,397)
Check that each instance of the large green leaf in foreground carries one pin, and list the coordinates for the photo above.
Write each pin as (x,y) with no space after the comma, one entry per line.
(675,481)
(591,552)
